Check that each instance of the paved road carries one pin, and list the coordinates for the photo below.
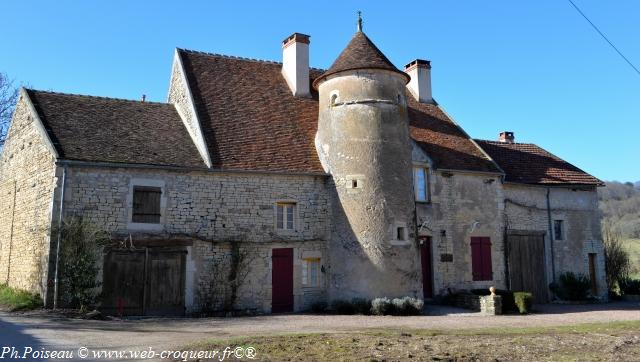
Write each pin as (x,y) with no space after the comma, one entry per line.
(46,330)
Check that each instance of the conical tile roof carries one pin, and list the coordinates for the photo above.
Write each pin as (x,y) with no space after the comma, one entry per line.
(360,53)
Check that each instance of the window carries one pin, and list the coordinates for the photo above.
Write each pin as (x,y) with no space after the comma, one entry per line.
(311,272)
(285,215)
(421,184)
(558,229)
(146,205)
(481,258)
(401,233)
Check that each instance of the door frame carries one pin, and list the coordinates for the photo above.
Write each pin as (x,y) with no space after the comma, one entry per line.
(289,254)
(426,244)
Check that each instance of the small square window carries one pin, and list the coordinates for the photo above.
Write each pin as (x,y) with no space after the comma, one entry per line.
(401,233)
(558,229)
(146,205)
(311,272)
(285,216)
(354,184)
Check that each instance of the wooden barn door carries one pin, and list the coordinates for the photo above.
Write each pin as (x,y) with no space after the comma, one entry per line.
(123,282)
(146,281)
(282,280)
(425,258)
(165,283)
(526,260)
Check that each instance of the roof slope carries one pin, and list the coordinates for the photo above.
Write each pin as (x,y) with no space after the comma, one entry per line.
(249,117)
(100,129)
(443,140)
(360,53)
(529,164)
(251,120)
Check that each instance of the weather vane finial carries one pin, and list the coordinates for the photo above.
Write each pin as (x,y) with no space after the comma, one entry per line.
(359,20)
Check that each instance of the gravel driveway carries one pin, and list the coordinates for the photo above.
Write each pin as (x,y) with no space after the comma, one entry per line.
(40,329)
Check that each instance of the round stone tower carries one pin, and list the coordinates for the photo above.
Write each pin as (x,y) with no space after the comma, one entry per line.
(363,142)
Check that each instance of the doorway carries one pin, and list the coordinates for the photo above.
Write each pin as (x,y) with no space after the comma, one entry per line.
(427,268)
(282,280)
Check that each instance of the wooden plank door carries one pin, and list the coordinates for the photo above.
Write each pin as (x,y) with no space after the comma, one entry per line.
(592,274)
(527,270)
(427,271)
(123,282)
(165,283)
(282,280)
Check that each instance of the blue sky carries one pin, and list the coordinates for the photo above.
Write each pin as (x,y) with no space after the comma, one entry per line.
(536,68)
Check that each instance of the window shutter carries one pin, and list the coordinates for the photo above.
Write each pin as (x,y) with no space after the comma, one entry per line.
(487,269)
(476,258)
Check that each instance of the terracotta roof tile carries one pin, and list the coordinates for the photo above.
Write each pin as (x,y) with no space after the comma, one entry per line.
(529,164)
(249,117)
(360,53)
(101,129)
(443,140)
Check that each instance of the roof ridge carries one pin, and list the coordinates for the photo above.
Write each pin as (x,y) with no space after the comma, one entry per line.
(235,57)
(505,143)
(92,96)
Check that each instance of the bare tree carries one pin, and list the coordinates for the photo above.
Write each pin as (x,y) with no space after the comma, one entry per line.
(8,98)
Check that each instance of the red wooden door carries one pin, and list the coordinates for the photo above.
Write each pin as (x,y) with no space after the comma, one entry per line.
(425,257)
(282,280)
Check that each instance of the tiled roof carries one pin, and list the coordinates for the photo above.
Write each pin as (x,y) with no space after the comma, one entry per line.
(248,115)
(529,164)
(443,140)
(252,121)
(101,129)
(360,53)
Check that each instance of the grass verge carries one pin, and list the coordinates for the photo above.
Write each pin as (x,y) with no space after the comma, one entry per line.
(14,299)
(585,342)
(633,245)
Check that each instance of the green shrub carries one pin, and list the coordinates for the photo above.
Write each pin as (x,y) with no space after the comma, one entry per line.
(343,307)
(523,301)
(381,306)
(630,286)
(572,287)
(80,251)
(361,306)
(508,302)
(319,307)
(16,299)
(397,306)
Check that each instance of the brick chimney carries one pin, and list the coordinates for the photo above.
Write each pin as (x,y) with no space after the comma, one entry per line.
(507,137)
(295,64)
(420,85)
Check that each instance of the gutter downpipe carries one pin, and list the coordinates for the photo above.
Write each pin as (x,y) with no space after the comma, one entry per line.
(553,259)
(59,241)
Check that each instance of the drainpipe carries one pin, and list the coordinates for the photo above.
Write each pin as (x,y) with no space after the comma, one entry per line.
(61,211)
(553,259)
(13,216)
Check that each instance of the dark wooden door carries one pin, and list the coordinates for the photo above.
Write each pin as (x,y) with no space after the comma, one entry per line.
(144,282)
(527,272)
(425,258)
(123,283)
(165,283)
(592,274)
(282,280)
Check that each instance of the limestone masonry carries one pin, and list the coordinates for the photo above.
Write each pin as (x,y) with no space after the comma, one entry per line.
(264,187)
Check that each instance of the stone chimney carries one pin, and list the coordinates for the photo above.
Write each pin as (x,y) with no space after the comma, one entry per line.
(507,137)
(295,64)
(420,85)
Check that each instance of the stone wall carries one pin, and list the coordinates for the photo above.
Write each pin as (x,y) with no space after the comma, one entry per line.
(463,205)
(217,210)
(27,183)
(180,96)
(526,209)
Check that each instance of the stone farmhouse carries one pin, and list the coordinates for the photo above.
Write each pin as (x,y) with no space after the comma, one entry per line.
(268,187)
